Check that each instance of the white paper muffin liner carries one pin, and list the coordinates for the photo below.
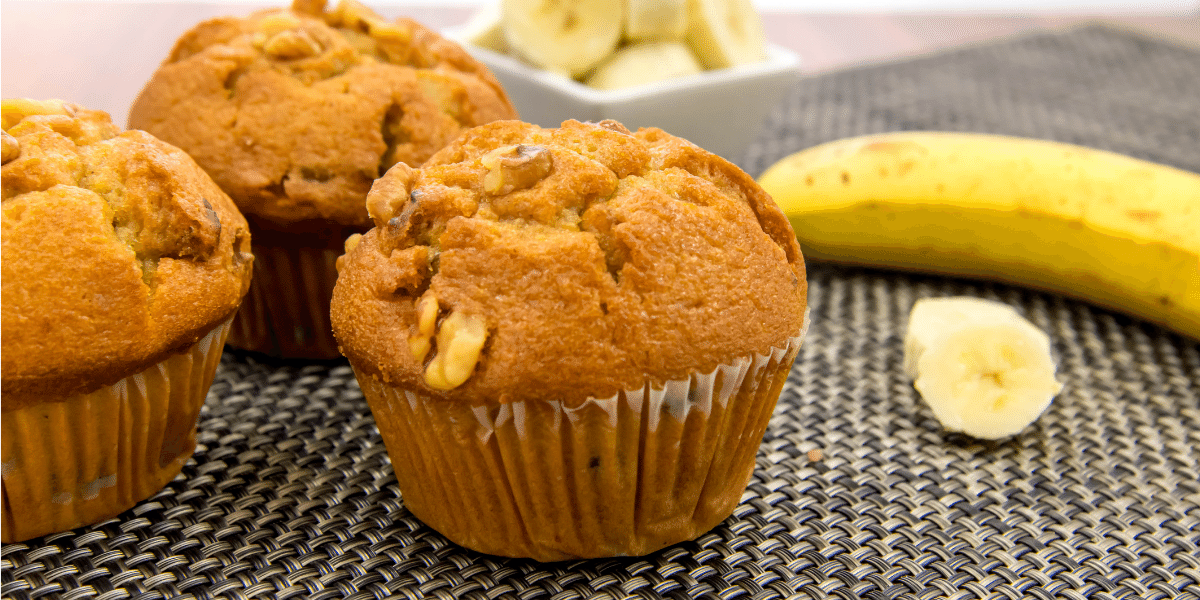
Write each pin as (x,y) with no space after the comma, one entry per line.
(77,461)
(286,311)
(623,475)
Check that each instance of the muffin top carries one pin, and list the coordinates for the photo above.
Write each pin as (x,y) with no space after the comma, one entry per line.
(296,112)
(118,250)
(525,263)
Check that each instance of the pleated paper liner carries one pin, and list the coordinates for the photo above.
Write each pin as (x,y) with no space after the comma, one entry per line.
(286,311)
(618,476)
(79,461)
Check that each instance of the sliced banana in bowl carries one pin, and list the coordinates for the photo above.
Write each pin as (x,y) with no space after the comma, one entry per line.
(642,63)
(564,36)
(670,68)
(984,369)
(655,20)
(725,33)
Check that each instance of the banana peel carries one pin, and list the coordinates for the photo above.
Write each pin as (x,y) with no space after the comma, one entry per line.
(1119,232)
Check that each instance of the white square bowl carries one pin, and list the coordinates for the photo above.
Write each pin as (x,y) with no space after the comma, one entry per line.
(721,111)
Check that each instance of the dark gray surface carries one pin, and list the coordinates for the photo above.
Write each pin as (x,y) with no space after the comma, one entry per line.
(1097,86)
(290,494)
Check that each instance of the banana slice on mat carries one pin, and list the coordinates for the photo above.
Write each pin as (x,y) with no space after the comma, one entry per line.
(644,63)
(981,367)
(932,318)
(725,33)
(565,36)
(647,20)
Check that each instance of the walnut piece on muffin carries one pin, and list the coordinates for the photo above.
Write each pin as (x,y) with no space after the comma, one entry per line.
(296,112)
(569,262)
(572,339)
(118,250)
(123,265)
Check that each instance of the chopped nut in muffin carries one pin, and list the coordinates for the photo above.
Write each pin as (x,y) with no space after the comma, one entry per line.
(523,263)
(118,250)
(123,265)
(572,339)
(296,112)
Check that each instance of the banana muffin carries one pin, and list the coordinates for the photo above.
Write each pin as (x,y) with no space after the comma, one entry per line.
(571,339)
(123,264)
(295,113)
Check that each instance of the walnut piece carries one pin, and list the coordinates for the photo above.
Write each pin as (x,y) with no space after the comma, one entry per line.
(274,24)
(427,311)
(616,126)
(352,242)
(460,342)
(292,44)
(12,148)
(349,245)
(514,168)
(352,14)
(17,109)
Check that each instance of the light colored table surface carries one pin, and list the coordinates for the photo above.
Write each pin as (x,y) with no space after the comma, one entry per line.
(100,53)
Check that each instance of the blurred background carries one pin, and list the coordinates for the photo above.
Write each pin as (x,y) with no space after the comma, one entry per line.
(100,52)
(1179,7)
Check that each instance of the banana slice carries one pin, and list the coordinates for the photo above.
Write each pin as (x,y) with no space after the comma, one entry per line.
(486,28)
(932,318)
(565,36)
(725,33)
(644,63)
(648,20)
(981,367)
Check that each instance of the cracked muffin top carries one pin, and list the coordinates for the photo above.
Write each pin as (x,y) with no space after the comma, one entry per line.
(296,112)
(118,250)
(525,263)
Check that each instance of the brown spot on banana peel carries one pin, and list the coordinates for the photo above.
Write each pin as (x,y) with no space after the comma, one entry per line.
(904,154)
(1144,216)
(1117,221)
(891,147)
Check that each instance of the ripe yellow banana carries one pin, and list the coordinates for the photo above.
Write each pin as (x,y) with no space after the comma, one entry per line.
(1120,232)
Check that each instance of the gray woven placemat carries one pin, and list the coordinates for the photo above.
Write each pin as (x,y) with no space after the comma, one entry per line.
(1097,86)
(290,494)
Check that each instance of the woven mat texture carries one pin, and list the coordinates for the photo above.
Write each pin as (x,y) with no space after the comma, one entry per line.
(291,495)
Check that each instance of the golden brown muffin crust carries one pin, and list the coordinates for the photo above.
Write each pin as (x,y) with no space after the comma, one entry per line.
(296,112)
(592,258)
(117,251)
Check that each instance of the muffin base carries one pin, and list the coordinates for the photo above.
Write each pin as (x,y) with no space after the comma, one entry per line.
(286,312)
(619,476)
(77,461)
